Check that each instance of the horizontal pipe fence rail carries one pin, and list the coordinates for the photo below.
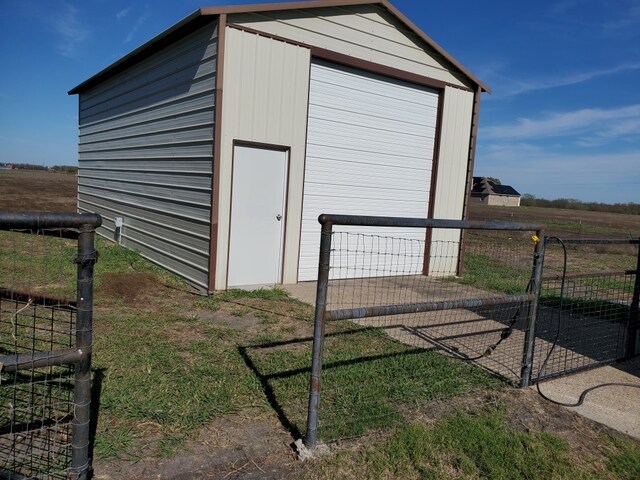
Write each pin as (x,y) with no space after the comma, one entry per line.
(46,343)
(502,296)
(411,269)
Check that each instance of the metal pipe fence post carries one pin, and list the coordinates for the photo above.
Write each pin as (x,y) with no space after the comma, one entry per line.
(86,259)
(311,436)
(530,332)
(633,341)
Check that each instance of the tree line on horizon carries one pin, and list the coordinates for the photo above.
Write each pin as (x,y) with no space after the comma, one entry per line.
(529,200)
(31,166)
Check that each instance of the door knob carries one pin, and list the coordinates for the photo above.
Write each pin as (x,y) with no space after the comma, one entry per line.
(278,217)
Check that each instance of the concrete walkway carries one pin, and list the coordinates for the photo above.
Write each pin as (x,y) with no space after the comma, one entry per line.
(614,406)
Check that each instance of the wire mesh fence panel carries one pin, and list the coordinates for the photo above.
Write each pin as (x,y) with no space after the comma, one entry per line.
(36,403)
(586,317)
(42,346)
(395,304)
(490,271)
(39,262)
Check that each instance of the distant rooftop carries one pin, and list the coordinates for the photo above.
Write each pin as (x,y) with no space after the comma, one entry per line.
(484,186)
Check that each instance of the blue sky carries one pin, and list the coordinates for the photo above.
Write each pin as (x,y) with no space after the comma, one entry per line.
(563,119)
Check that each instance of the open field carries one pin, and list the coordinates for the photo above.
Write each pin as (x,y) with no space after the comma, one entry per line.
(563,223)
(37,191)
(216,387)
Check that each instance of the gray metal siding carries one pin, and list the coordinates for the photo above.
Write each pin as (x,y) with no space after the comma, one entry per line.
(146,154)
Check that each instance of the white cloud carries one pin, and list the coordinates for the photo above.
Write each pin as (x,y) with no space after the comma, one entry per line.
(616,122)
(563,6)
(629,18)
(520,87)
(549,173)
(123,13)
(136,26)
(70,29)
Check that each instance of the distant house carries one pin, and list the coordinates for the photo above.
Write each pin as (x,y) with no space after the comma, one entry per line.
(488,192)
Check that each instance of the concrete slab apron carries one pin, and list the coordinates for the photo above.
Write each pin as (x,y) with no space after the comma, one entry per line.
(616,407)
(460,333)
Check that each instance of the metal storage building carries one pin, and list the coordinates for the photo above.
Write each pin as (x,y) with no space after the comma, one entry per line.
(218,143)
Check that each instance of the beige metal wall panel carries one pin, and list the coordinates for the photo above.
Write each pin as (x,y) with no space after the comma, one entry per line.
(146,154)
(266,90)
(452,178)
(367,32)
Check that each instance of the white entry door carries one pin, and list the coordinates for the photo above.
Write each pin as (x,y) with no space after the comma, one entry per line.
(257,216)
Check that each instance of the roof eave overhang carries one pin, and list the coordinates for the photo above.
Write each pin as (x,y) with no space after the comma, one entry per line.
(157,43)
(205,15)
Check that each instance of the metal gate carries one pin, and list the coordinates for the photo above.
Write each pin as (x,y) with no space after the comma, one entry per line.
(412,290)
(586,319)
(46,314)
(476,291)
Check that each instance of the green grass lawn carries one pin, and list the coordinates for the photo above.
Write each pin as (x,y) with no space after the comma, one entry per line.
(169,363)
(369,380)
(481,445)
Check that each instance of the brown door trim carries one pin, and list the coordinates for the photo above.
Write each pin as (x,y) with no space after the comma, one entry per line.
(434,181)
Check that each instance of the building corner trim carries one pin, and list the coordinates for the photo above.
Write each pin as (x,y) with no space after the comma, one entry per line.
(475,117)
(217,147)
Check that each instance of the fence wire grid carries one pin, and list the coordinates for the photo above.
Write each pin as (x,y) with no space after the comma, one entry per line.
(586,318)
(393,304)
(39,350)
(373,270)
(396,302)
(37,403)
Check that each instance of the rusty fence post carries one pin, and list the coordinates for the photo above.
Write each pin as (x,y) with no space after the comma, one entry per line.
(311,436)
(86,259)
(532,315)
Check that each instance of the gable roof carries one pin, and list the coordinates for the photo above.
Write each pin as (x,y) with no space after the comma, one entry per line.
(206,15)
(484,186)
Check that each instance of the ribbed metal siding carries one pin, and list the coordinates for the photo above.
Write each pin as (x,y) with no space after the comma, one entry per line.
(146,152)
(370,148)
(367,32)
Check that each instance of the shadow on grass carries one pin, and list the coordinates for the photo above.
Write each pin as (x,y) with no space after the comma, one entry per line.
(368,378)
(96,391)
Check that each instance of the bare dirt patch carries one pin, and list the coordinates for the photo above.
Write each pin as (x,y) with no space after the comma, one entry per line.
(127,287)
(232,447)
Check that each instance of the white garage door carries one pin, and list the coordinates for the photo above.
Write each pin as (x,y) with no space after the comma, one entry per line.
(370,148)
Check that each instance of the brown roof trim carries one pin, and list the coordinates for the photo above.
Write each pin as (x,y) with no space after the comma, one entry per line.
(397,13)
(270,7)
(202,16)
(330,55)
(274,7)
